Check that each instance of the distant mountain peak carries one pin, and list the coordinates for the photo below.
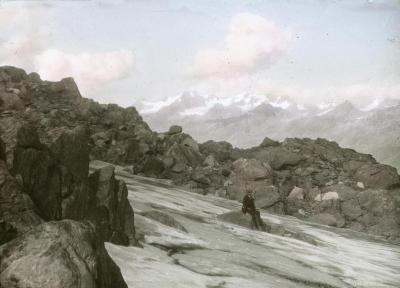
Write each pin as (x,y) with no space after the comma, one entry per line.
(346,105)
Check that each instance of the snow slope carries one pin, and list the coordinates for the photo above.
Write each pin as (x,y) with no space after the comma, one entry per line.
(217,254)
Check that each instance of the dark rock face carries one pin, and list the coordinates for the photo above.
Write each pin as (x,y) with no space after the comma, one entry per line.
(110,209)
(2,150)
(153,167)
(17,211)
(72,150)
(63,253)
(57,179)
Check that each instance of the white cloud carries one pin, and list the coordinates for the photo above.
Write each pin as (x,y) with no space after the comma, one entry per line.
(23,34)
(26,35)
(90,70)
(251,44)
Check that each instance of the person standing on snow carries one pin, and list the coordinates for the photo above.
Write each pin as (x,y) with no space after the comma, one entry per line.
(249,206)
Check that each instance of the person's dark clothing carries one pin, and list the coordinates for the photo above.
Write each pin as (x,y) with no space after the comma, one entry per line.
(248,204)
(250,207)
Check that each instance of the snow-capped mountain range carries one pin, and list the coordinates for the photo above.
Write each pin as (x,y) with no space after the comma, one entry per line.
(246,119)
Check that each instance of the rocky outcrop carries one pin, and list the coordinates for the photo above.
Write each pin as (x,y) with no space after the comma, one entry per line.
(110,209)
(62,254)
(17,211)
(377,176)
(57,180)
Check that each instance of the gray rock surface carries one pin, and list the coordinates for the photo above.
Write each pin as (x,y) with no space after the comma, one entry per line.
(17,211)
(175,129)
(57,179)
(164,218)
(58,254)
(377,176)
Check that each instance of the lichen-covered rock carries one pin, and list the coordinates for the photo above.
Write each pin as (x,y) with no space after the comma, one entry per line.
(377,176)
(62,254)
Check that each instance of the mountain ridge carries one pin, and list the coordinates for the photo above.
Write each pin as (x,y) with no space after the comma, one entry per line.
(345,123)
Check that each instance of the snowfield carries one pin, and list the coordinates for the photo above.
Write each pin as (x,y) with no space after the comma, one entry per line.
(215,254)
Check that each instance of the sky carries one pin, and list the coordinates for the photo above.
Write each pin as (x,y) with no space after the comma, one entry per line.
(126,52)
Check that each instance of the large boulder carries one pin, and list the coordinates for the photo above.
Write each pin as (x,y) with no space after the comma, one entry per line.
(17,211)
(277,157)
(63,254)
(200,176)
(222,151)
(110,209)
(185,155)
(11,101)
(153,167)
(175,129)
(351,209)
(377,176)
(252,170)
(253,174)
(12,74)
(266,196)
